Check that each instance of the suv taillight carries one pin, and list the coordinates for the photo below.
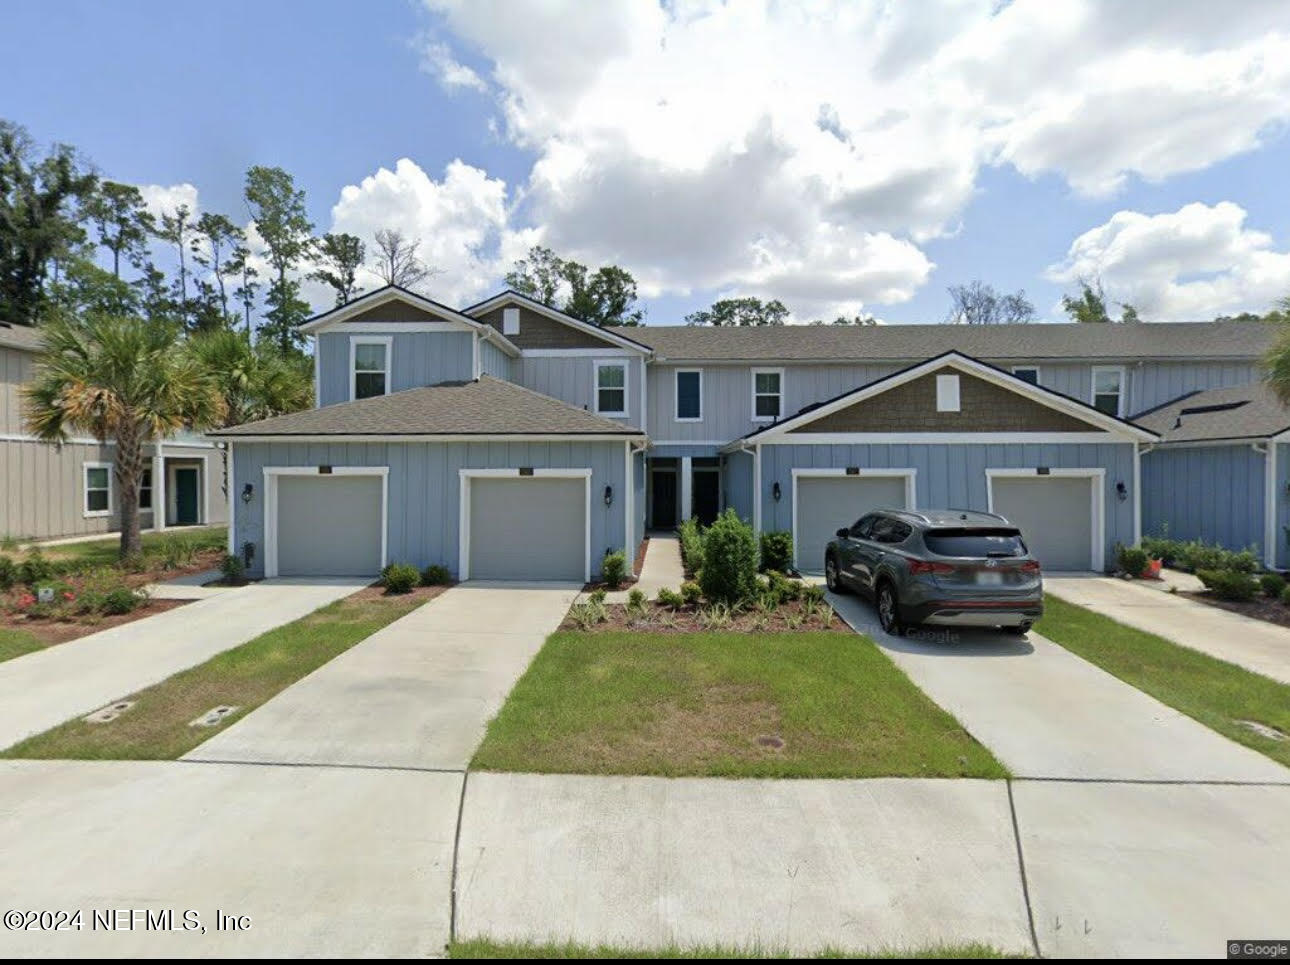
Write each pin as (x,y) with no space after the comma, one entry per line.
(923,566)
(1031,566)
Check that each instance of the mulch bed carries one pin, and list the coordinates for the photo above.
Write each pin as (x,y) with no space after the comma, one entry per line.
(419,594)
(791,617)
(50,631)
(1260,608)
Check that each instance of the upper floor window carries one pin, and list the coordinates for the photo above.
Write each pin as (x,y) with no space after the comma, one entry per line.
(369,367)
(768,394)
(1108,389)
(611,388)
(98,488)
(1027,373)
(689,395)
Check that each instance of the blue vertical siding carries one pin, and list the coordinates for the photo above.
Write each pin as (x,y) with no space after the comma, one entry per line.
(954,475)
(493,361)
(737,481)
(424,488)
(639,508)
(416,359)
(1213,493)
(572,379)
(1282,502)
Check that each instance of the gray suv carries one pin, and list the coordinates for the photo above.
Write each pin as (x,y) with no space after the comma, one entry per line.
(948,567)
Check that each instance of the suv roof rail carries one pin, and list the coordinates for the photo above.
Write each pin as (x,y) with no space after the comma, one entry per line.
(910,512)
(978,512)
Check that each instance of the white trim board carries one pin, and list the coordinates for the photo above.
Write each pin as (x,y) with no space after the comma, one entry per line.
(472,437)
(909,475)
(1097,507)
(942,438)
(271,476)
(464,477)
(578,353)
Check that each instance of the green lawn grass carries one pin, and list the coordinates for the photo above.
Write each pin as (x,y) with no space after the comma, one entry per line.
(484,948)
(106,552)
(698,704)
(1212,691)
(157,727)
(15,643)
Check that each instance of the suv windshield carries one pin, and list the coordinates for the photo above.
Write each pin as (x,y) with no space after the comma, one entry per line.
(975,542)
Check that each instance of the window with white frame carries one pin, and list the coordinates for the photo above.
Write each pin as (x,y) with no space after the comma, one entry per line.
(768,394)
(689,395)
(145,490)
(369,363)
(1027,373)
(611,388)
(1108,389)
(98,489)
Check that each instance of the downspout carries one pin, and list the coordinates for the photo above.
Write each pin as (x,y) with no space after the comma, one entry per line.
(1269,452)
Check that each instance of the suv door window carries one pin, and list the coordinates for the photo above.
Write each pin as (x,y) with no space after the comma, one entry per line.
(888,530)
(862,527)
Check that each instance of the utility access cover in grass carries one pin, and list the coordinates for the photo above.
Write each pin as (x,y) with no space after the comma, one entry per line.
(705,704)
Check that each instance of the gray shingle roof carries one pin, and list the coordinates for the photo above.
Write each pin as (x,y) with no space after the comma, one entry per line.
(1143,340)
(1242,412)
(486,407)
(22,337)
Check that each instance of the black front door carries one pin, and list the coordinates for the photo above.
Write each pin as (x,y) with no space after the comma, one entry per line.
(663,499)
(706,495)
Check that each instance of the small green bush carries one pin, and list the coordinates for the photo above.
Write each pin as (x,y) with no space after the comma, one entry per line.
(233,569)
(777,551)
(691,593)
(121,600)
(35,569)
(730,558)
(1285,596)
(613,569)
(1132,560)
(1229,584)
(636,601)
(175,550)
(8,573)
(691,535)
(1272,584)
(435,575)
(812,594)
(400,578)
(597,595)
(781,588)
(670,598)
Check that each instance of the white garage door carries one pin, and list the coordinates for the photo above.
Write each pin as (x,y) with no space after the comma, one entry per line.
(1054,514)
(329,525)
(824,504)
(528,528)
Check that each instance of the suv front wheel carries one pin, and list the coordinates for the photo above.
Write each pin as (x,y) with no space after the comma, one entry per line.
(889,609)
(831,574)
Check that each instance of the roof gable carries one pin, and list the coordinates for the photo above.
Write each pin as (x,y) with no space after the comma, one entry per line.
(544,327)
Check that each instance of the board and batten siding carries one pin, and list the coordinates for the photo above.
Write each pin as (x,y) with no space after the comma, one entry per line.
(416,359)
(493,361)
(737,484)
(424,488)
(1210,493)
(15,368)
(572,379)
(952,476)
(1281,496)
(639,507)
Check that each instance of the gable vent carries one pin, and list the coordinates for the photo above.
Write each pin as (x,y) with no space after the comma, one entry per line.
(510,321)
(947,393)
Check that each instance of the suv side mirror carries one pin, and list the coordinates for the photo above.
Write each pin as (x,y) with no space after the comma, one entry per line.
(843,533)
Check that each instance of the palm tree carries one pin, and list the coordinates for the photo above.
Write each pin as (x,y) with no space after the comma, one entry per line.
(123,380)
(1276,364)
(255,381)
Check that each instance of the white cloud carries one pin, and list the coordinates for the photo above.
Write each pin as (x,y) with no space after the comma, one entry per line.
(438,60)
(711,146)
(1188,265)
(162,199)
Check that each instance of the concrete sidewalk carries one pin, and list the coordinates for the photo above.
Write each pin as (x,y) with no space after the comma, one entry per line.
(417,693)
(47,687)
(1047,713)
(662,568)
(1253,644)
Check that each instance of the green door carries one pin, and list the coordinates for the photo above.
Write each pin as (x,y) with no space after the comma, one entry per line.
(185,497)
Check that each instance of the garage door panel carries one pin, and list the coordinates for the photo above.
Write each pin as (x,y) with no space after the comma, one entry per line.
(528,528)
(827,503)
(1054,514)
(329,525)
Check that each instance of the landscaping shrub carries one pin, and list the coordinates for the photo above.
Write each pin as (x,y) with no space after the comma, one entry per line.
(35,569)
(400,577)
(813,594)
(730,555)
(670,598)
(597,596)
(636,601)
(175,550)
(435,575)
(233,569)
(777,551)
(120,600)
(691,592)
(1229,584)
(8,573)
(781,589)
(613,569)
(1132,560)
(691,535)
(1285,596)
(1272,584)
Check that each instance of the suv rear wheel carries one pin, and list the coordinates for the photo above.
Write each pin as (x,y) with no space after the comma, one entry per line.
(889,609)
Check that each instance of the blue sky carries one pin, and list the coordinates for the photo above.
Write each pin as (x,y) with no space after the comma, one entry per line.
(608,136)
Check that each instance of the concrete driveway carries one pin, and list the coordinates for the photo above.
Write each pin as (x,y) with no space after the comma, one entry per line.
(43,689)
(416,694)
(1253,644)
(1047,713)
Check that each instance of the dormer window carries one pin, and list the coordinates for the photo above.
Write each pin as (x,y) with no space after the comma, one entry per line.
(369,367)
